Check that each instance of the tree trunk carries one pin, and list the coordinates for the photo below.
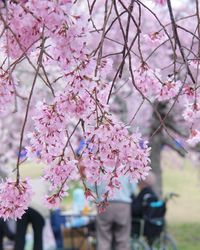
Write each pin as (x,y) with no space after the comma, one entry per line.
(156,144)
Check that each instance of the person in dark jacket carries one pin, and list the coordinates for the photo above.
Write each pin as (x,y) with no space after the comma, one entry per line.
(37,221)
(5,232)
(146,194)
(148,207)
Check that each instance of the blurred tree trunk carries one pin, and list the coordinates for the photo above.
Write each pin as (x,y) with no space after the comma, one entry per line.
(161,139)
(156,144)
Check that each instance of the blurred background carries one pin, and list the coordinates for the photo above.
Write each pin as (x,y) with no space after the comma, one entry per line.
(180,175)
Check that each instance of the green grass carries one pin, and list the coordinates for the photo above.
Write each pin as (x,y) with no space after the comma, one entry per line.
(187,235)
(183,213)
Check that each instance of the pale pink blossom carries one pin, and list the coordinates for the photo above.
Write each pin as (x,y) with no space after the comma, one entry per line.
(192,112)
(195,63)
(59,173)
(194,137)
(155,38)
(52,201)
(110,152)
(147,80)
(15,197)
(169,90)
(160,2)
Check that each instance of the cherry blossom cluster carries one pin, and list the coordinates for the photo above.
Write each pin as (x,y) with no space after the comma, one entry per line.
(150,83)
(161,2)
(110,151)
(155,38)
(192,114)
(108,146)
(147,80)
(24,31)
(58,174)
(195,63)
(169,90)
(65,34)
(81,99)
(14,198)
(84,97)
(194,137)
(48,139)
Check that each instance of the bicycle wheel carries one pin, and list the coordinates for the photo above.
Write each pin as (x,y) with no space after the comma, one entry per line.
(165,242)
(138,244)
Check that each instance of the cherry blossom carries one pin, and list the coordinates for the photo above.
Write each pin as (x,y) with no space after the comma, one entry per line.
(52,202)
(58,174)
(23,33)
(169,90)
(194,137)
(77,59)
(161,2)
(195,63)
(192,112)
(110,151)
(155,38)
(147,80)
(15,198)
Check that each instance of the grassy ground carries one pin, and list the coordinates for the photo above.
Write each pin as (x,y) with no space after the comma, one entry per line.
(184,212)
(187,235)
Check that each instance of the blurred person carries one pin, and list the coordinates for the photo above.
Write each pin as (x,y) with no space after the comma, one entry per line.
(5,228)
(5,231)
(114,225)
(146,194)
(56,224)
(35,215)
(150,209)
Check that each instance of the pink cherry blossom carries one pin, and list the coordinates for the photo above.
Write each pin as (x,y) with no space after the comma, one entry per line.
(24,31)
(147,80)
(161,2)
(52,202)
(110,151)
(60,173)
(14,198)
(155,38)
(194,137)
(192,112)
(169,90)
(195,63)
(68,53)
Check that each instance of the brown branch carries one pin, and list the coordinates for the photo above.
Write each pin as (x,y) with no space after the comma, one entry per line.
(28,105)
